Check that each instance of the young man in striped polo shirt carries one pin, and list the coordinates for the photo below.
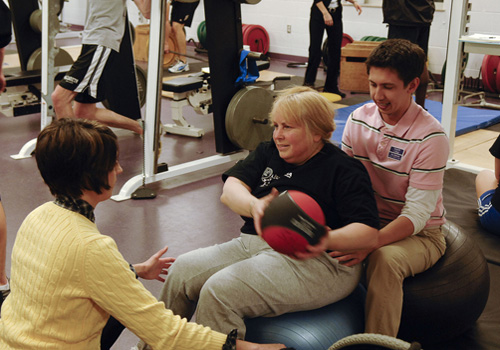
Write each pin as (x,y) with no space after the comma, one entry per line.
(405,151)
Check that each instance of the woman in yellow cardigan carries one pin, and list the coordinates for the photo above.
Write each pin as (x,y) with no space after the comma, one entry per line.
(66,277)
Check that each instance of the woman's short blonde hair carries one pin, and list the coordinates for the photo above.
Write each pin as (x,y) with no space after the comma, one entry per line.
(305,106)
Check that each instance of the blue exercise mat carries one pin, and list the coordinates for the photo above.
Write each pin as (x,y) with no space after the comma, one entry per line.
(468,119)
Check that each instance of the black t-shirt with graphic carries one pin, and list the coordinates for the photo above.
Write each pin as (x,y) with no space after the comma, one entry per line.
(339,183)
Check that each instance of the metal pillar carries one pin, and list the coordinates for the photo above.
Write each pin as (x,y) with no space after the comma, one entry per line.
(50,27)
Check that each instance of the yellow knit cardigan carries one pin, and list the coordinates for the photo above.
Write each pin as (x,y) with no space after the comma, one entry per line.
(67,278)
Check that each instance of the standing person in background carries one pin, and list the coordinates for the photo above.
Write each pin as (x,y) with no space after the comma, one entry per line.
(5,38)
(90,76)
(411,20)
(326,14)
(182,15)
(488,193)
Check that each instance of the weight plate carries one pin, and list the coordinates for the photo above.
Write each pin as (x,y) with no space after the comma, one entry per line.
(244,29)
(497,80)
(202,34)
(63,58)
(346,39)
(257,38)
(168,58)
(36,20)
(247,117)
(488,72)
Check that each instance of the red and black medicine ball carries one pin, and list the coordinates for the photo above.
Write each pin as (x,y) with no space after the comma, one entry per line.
(292,221)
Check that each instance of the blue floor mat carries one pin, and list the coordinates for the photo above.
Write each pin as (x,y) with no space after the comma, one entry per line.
(468,119)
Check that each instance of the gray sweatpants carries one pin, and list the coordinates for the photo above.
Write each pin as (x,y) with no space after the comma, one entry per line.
(246,278)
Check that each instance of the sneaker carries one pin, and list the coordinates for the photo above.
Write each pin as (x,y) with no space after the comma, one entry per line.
(179,67)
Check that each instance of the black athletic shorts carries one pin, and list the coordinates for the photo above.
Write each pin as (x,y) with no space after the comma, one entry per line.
(416,34)
(89,74)
(183,12)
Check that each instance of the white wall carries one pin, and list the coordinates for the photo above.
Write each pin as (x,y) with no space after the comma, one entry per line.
(275,15)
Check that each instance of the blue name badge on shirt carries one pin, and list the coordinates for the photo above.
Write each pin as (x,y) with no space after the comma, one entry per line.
(396,153)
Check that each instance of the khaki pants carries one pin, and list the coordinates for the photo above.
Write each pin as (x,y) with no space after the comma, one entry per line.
(387,267)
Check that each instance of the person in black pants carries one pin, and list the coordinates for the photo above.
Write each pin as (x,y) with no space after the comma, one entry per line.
(411,20)
(326,14)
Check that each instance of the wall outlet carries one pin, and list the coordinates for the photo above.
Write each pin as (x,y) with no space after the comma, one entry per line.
(288,28)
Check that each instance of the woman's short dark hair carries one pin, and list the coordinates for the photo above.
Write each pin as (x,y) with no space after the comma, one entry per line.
(75,155)
(404,57)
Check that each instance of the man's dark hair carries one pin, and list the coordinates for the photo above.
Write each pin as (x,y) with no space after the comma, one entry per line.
(404,57)
(75,155)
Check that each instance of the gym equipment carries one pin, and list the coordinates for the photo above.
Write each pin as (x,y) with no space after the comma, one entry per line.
(490,79)
(367,341)
(313,329)
(36,20)
(247,114)
(141,46)
(489,73)
(292,221)
(193,90)
(256,37)
(373,38)
(23,88)
(331,96)
(63,58)
(353,76)
(346,39)
(27,39)
(202,34)
(447,299)
(18,101)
